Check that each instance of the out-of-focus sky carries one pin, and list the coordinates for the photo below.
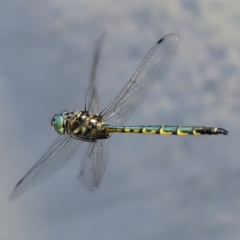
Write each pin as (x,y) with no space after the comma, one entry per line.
(154,187)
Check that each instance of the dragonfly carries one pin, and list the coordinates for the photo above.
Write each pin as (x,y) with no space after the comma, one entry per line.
(95,127)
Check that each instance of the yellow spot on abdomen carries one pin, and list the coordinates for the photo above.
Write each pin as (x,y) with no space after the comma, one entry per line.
(127,130)
(148,132)
(162,132)
(136,131)
(179,133)
(196,133)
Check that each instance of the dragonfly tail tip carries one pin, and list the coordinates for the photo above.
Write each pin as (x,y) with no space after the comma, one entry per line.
(222,131)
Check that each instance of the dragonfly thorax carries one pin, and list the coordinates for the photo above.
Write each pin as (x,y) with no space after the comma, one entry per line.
(80,125)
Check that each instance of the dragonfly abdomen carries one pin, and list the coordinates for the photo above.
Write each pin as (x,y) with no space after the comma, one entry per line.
(166,130)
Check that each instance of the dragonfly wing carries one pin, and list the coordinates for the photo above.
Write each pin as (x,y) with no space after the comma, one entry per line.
(55,157)
(91,98)
(94,163)
(151,69)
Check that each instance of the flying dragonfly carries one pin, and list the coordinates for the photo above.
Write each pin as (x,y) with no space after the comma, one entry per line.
(95,127)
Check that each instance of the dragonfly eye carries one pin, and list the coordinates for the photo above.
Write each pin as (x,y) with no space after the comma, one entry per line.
(58,124)
(53,120)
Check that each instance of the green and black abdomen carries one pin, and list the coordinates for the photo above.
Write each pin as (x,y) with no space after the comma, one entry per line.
(166,130)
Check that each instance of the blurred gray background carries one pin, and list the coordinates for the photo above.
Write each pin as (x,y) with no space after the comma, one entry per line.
(154,187)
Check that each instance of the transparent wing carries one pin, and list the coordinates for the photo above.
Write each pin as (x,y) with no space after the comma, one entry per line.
(150,70)
(55,157)
(94,163)
(91,98)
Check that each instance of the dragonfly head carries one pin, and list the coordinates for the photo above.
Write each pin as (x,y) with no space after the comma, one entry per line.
(59,122)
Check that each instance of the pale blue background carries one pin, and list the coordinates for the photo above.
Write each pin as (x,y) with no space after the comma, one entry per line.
(154,187)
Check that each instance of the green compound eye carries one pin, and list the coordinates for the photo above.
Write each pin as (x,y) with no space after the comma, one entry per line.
(58,125)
